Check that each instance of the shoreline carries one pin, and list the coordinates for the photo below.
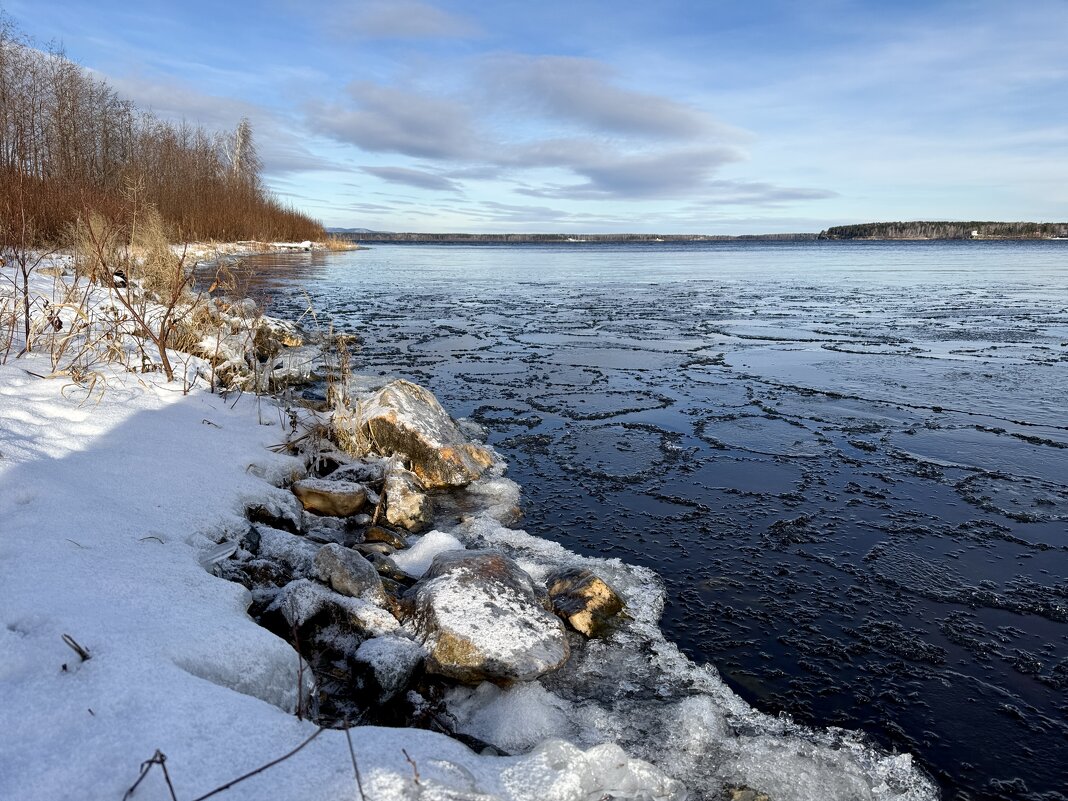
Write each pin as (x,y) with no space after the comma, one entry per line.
(720,712)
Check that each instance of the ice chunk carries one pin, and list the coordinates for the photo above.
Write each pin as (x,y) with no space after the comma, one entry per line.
(514,719)
(416,560)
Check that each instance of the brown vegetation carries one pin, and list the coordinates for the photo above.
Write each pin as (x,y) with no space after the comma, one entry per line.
(69,143)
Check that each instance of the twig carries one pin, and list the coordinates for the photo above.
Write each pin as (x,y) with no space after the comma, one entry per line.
(78,649)
(152,537)
(415,768)
(260,769)
(355,767)
(68,539)
(158,758)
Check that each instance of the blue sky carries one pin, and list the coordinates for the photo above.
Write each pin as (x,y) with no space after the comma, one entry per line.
(713,117)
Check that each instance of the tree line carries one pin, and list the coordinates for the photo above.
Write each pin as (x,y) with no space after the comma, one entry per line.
(71,145)
(947,230)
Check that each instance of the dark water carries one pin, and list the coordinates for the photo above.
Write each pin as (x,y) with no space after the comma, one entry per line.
(849,461)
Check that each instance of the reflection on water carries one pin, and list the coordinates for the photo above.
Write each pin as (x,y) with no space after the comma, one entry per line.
(849,461)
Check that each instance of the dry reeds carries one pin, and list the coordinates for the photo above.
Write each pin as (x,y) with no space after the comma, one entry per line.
(69,142)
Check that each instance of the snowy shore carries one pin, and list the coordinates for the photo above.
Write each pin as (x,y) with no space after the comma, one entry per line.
(112,495)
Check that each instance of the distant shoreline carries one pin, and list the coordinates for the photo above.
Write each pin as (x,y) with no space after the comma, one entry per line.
(870,232)
(388,237)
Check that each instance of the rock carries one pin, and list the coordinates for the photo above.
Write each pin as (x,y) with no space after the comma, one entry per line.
(387,568)
(333,498)
(407,505)
(744,793)
(368,470)
(403,418)
(301,601)
(380,534)
(583,599)
(478,616)
(369,548)
(281,510)
(392,661)
(349,573)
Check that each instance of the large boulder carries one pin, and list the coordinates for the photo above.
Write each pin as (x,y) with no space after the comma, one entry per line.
(331,498)
(404,418)
(478,616)
(407,505)
(348,573)
(586,601)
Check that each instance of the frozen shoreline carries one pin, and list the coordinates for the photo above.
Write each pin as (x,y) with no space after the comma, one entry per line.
(108,507)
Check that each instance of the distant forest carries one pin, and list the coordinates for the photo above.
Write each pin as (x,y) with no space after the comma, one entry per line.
(548,239)
(947,230)
(71,146)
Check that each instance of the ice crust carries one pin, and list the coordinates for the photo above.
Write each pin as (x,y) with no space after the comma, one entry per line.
(639,691)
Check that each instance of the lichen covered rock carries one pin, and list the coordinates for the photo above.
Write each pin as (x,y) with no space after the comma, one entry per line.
(331,498)
(478,616)
(404,418)
(407,505)
(586,601)
(349,573)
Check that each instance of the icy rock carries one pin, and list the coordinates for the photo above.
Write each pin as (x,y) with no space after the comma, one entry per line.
(349,573)
(404,418)
(332,498)
(301,600)
(416,560)
(392,661)
(272,332)
(407,505)
(477,613)
(369,470)
(744,793)
(293,367)
(293,552)
(583,599)
(279,510)
(380,534)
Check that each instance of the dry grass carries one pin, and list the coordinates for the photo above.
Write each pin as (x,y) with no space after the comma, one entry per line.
(338,243)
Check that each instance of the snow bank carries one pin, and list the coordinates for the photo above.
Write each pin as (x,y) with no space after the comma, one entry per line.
(104,510)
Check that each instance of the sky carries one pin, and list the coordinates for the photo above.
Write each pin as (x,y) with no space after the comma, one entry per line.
(588,116)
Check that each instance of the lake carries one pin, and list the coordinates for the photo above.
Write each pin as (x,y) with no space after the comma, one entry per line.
(847,460)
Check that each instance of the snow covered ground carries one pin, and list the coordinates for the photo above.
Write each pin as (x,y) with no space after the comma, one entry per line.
(110,495)
(107,502)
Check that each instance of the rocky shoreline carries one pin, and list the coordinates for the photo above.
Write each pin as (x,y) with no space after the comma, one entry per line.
(393,569)
(376,607)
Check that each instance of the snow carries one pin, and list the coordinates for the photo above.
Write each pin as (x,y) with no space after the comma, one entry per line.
(415,561)
(392,659)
